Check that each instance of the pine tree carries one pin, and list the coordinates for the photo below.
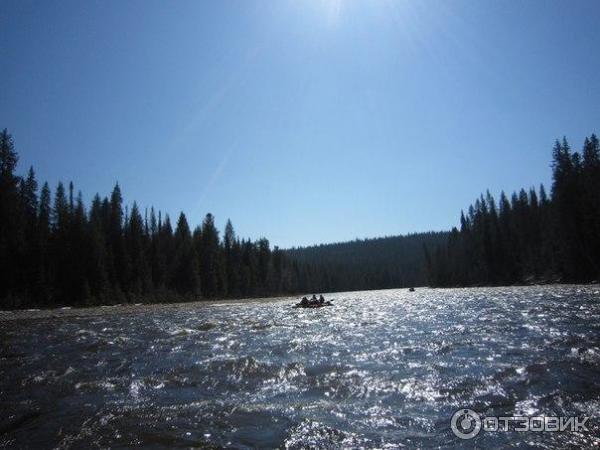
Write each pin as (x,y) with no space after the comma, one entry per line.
(184,267)
(43,282)
(590,204)
(120,270)
(162,254)
(30,257)
(140,278)
(209,258)
(11,235)
(263,259)
(98,258)
(61,246)
(231,260)
(80,251)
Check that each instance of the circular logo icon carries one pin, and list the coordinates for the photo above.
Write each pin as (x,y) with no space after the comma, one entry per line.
(465,424)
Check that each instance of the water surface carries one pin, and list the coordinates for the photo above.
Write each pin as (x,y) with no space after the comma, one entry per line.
(380,369)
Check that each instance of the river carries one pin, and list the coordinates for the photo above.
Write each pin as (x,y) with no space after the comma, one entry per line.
(379,369)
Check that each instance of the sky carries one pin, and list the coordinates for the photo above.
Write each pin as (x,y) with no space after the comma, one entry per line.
(304,122)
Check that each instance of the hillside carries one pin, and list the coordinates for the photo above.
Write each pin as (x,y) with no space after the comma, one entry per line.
(380,263)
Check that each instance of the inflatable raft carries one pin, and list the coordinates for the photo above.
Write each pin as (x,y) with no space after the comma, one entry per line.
(312,305)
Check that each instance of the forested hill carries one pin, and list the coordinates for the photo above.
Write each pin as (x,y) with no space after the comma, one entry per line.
(380,263)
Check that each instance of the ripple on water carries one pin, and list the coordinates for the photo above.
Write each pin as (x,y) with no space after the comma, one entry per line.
(379,369)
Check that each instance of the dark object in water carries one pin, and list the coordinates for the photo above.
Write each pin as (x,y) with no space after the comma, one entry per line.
(312,304)
(412,289)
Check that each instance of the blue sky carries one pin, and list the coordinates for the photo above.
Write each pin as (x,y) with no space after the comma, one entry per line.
(302,121)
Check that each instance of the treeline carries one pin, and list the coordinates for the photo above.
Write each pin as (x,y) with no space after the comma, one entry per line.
(55,251)
(362,264)
(531,237)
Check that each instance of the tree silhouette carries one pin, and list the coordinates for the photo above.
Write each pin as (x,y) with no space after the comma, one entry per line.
(534,238)
(55,251)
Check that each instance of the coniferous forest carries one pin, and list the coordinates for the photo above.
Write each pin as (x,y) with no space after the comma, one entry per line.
(533,236)
(55,251)
(380,263)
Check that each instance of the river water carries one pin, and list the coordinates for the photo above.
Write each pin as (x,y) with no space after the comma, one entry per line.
(379,369)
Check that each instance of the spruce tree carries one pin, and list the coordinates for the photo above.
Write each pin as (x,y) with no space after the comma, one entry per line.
(11,233)
(140,279)
(231,260)
(98,259)
(184,266)
(209,258)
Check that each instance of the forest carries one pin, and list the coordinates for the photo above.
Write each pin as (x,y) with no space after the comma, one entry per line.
(55,251)
(531,237)
(380,263)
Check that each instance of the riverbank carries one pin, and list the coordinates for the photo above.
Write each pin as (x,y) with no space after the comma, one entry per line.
(125,308)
